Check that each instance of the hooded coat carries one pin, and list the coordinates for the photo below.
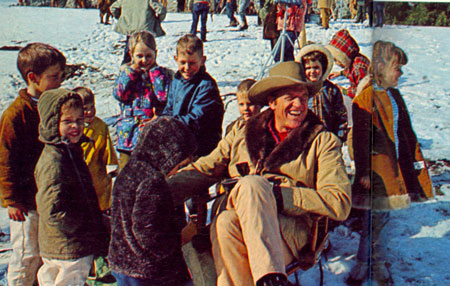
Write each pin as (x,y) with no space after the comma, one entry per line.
(70,221)
(346,50)
(145,243)
(328,103)
(307,165)
(395,178)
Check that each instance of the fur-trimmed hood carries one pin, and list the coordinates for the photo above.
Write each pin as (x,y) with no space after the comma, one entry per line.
(289,149)
(321,49)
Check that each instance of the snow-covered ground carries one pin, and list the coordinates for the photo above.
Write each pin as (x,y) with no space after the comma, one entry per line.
(419,237)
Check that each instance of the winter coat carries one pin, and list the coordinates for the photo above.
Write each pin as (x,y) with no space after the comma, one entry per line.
(145,243)
(70,222)
(324,4)
(19,151)
(138,94)
(346,50)
(295,17)
(394,179)
(197,103)
(98,153)
(268,15)
(135,16)
(307,165)
(328,105)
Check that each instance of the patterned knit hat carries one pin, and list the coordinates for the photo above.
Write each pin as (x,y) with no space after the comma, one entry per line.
(343,47)
(165,142)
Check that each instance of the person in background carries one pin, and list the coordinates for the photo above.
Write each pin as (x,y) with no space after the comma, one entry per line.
(390,168)
(135,16)
(231,9)
(242,10)
(379,13)
(141,89)
(361,11)
(71,230)
(99,154)
(325,12)
(145,247)
(200,8)
(42,67)
(295,26)
(328,103)
(247,109)
(99,150)
(345,51)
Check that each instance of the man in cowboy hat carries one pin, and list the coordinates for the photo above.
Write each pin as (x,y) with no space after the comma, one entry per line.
(287,167)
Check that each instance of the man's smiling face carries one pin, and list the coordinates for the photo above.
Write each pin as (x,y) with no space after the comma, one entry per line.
(290,106)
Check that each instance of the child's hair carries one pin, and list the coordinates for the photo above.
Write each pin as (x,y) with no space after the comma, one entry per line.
(245,84)
(74,102)
(86,94)
(316,56)
(37,57)
(144,37)
(190,44)
(385,53)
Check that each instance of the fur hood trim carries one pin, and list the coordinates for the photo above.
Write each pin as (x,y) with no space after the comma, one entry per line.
(296,142)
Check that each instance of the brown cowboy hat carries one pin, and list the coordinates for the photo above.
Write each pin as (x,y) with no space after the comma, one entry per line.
(282,75)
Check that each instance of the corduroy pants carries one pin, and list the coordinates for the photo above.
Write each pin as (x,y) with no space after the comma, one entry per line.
(247,237)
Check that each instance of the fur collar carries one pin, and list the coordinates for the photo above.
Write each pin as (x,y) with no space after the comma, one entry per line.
(289,149)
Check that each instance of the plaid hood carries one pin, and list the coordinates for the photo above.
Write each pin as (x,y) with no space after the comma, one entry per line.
(343,47)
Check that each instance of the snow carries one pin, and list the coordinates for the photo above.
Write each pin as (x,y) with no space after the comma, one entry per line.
(418,237)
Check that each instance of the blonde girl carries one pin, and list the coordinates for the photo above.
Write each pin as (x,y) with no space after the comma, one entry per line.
(389,165)
(141,90)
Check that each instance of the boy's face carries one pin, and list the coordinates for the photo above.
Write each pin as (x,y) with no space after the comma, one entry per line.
(313,70)
(89,112)
(391,74)
(71,124)
(246,108)
(51,78)
(189,65)
(143,57)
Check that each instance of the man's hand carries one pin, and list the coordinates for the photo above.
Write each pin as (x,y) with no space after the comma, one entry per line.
(365,181)
(17,212)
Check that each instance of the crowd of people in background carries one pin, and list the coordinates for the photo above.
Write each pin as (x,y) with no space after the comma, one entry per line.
(57,158)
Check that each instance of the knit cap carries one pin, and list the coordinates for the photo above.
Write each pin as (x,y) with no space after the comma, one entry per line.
(164,143)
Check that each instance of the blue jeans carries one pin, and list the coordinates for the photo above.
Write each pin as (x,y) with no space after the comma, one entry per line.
(288,48)
(124,280)
(231,8)
(126,52)
(379,13)
(200,10)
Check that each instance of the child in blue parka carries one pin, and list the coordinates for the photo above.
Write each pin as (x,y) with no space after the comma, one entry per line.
(194,96)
